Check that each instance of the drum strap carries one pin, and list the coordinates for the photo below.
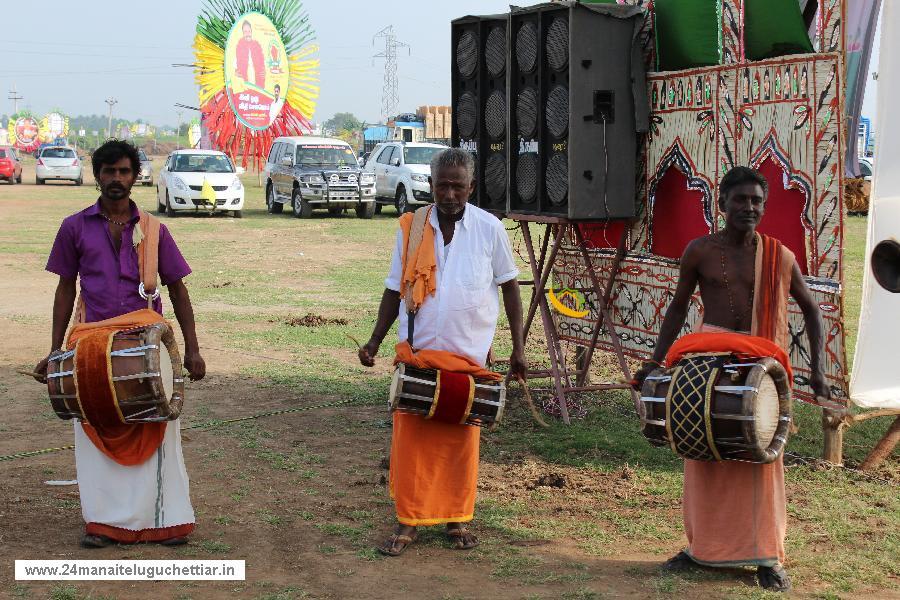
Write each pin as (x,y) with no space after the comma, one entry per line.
(416,234)
(145,239)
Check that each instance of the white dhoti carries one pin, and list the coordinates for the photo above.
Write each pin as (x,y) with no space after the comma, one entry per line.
(149,502)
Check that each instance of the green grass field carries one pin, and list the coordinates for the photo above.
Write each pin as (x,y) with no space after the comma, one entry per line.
(252,276)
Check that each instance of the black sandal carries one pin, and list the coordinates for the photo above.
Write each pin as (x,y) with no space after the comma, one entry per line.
(774,579)
(679,563)
(95,541)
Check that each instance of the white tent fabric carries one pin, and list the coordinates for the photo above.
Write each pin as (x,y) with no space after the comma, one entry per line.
(875,380)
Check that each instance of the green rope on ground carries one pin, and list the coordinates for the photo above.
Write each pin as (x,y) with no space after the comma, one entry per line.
(216,423)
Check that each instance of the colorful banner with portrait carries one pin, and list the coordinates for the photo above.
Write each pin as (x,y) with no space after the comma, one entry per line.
(257,75)
(24,133)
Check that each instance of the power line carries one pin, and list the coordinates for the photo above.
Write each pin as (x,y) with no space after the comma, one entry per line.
(390,93)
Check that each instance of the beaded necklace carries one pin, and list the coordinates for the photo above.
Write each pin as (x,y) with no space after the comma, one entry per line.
(738,317)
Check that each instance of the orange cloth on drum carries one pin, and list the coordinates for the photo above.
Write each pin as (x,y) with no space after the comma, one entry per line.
(434,465)
(743,346)
(442,359)
(127,444)
(420,273)
(735,513)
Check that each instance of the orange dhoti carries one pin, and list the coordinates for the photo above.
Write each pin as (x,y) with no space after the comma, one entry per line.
(434,470)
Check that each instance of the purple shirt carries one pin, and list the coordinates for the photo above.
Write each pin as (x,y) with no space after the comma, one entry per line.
(109,280)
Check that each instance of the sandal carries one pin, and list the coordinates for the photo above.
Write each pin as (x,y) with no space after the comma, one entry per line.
(461,538)
(773,578)
(95,541)
(388,548)
(679,563)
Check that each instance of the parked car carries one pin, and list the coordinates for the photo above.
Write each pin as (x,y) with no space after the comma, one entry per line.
(402,171)
(307,173)
(145,177)
(58,162)
(179,187)
(866,168)
(10,166)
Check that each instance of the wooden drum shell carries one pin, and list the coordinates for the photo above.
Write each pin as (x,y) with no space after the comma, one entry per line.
(413,389)
(733,412)
(146,376)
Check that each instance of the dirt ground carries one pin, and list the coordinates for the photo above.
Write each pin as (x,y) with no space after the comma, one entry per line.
(301,497)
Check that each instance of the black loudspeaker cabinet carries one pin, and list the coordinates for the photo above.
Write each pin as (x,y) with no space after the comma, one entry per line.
(480,115)
(575,77)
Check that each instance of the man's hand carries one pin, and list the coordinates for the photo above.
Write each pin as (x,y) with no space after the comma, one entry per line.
(819,385)
(648,367)
(41,369)
(518,365)
(195,365)
(367,353)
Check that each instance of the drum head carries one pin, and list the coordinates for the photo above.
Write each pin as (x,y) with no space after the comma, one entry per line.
(396,383)
(767,411)
(166,374)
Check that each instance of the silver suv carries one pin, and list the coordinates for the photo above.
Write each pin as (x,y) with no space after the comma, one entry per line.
(402,173)
(312,172)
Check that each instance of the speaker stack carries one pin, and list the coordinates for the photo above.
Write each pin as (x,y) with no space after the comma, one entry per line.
(566,144)
(479,107)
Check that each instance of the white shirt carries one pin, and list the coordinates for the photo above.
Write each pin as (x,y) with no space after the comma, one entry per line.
(461,317)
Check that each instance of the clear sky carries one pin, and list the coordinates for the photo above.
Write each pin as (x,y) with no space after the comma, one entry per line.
(73,55)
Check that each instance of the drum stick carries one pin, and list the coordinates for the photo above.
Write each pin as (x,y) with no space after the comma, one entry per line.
(355,341)
(29,373)
(527,393)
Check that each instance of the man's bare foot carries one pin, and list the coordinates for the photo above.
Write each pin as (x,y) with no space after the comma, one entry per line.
(95,541)
(403,536)
(773,578)
(461,537)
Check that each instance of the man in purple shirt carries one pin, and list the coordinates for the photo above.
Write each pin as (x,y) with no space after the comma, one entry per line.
(96,246)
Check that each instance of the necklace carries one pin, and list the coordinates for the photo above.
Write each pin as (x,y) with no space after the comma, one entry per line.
(108,220)
(738,317)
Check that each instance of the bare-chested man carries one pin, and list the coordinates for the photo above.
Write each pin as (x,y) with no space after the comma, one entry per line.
(735,512)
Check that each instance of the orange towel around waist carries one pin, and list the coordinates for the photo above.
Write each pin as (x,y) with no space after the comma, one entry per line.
(127,444)
(740,344)
(441,359)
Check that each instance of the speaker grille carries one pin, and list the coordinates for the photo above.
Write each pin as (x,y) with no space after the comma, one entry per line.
(495,114)
(495,178)
(466,115)
(467,54)
(527,47)
(527,113)
(495,51)
(558,44)
(558,111)
(557,179)
(526,177)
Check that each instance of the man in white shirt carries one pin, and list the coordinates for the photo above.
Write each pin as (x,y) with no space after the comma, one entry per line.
(434,466)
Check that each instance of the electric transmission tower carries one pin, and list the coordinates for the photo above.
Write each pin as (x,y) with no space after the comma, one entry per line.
(390,93)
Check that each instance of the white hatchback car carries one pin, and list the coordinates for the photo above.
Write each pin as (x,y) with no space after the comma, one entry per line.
(181,180)
(58,162)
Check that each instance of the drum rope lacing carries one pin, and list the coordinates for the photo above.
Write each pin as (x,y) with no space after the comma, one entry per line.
(205,425)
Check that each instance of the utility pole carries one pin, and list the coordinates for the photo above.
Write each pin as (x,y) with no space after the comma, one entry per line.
(111,102)
(390,94)
(178,131)
(15,97)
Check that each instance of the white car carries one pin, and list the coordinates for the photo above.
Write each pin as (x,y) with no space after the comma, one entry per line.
(58,162)
(180,183)
(402,171)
